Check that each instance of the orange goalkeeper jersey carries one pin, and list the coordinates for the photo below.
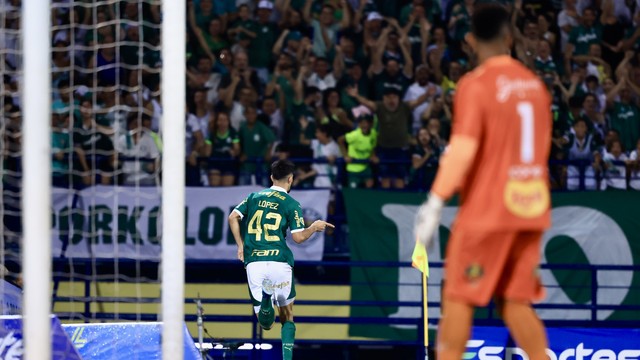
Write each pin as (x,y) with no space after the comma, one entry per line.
(505,108)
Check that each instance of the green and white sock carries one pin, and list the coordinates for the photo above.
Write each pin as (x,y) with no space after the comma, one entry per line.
(266,314)
(288,335)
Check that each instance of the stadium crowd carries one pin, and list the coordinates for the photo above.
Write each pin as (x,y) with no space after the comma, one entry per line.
(361,90)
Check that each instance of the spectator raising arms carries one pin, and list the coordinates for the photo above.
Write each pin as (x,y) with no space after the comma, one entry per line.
(325,28)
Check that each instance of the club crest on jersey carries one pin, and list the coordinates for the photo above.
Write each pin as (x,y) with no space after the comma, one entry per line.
(505,87)
(474,272)
(299,220)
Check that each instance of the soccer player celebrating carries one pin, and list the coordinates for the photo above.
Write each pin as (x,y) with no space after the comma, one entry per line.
(264,251)
(497,160)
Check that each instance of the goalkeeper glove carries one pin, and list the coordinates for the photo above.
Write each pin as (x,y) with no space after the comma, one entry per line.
(428,219)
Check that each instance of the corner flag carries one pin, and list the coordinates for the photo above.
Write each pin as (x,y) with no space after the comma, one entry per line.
(420,261)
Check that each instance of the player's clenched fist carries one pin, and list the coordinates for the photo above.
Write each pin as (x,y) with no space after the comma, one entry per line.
(320,226)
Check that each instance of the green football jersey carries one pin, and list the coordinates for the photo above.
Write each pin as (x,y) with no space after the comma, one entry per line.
(266,216)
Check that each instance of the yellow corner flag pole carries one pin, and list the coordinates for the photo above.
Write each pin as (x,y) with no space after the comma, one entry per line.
(425,309)
(420,261)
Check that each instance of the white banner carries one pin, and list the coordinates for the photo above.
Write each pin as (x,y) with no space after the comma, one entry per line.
(125,222)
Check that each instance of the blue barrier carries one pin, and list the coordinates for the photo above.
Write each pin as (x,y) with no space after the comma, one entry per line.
(124,341)
(492,343)
(11,338)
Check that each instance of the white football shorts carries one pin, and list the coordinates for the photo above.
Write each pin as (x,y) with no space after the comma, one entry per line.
(280,273)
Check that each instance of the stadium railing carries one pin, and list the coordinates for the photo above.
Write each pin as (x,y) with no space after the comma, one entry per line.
(490,317)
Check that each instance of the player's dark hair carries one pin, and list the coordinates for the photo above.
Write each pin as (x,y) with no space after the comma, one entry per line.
(281,169)
(488,21)
(580,120)
(325,129)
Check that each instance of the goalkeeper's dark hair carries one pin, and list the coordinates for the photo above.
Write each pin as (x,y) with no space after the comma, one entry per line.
(281,169)
(488,22)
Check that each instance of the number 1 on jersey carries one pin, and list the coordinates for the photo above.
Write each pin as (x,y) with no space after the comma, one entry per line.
(525,111)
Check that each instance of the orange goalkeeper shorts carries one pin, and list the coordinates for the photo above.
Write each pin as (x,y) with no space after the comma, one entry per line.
(501,264)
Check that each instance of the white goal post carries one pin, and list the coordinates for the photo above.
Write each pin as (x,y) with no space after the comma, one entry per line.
(173,182)
(36,190)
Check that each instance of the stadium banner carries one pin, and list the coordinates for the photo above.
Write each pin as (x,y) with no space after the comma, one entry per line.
(125,222)
(493,343)
(588,228)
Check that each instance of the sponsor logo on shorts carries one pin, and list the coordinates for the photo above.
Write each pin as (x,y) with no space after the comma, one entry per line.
(272,252)
(282,285)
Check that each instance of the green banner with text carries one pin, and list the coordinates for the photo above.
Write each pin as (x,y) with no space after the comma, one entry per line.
(599,228)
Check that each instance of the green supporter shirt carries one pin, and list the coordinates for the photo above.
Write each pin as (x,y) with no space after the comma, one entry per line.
(582,37)
(267,215)
(262,45)
(430,13)
(629,35)
(625,118)
(287,91)
(222,144)
(462,26)
(213,44)
(248,24)
(547,65)
(60,142)
(294,113)
(394,126)
(254,142)
(361,147)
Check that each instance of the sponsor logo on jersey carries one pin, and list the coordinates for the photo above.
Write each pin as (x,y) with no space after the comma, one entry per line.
(272,252)
(526,199)
(276,194)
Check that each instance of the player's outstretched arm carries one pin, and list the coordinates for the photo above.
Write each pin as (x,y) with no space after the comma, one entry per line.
(234,225)
(317,226)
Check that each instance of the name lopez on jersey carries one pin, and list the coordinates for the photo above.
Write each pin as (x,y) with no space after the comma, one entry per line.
(506,87)
(268,204)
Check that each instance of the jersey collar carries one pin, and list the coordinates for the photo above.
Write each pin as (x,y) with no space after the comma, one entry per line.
(278,188)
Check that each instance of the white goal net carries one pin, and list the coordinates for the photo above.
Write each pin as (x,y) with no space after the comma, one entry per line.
(106,156)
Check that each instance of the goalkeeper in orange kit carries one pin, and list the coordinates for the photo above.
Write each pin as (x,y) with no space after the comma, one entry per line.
(497,160)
